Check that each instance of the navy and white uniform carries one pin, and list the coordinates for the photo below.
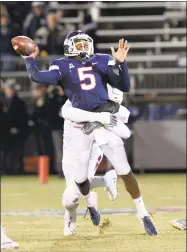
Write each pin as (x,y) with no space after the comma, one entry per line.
(83,81)
(85,84)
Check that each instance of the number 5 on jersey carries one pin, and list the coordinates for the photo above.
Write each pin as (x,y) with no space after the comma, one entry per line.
(83,75)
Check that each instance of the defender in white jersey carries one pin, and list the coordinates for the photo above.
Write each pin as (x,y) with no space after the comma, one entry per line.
(72,194)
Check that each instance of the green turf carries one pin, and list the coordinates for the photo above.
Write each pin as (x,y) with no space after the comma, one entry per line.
(126,234)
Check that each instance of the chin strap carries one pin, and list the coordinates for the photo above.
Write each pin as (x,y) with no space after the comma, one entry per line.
(83,55)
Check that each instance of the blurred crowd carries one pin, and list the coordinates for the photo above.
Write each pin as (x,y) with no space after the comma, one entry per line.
(18,122)
(41,21)
(40,120)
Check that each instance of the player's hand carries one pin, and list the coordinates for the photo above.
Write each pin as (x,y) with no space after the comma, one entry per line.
(32,55)
(113,120)
(122,51)
(107,119)
(90,126)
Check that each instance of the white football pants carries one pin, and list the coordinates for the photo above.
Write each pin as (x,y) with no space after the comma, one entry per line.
(72,194)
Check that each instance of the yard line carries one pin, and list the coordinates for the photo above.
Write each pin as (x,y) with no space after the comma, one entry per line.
(81,212)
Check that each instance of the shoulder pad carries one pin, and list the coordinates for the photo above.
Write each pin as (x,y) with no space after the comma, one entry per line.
(107,57)
(55,64)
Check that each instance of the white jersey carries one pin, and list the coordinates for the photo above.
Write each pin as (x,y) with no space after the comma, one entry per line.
(100,136)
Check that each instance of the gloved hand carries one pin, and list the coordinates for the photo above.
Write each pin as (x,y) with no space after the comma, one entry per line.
(90,126)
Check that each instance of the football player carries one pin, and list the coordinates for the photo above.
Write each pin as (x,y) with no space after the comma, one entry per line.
(71,194)
(6,242)
(83,76)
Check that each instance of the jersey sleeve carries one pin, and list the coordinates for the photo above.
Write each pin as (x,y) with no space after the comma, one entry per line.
(120,80)
(123,114)
(47,77)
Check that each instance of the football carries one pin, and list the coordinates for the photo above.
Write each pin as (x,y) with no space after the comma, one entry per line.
(23,45)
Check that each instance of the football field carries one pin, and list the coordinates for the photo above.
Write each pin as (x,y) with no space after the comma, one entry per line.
(33,216)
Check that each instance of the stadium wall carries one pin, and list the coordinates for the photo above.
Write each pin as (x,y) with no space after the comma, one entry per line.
(159,145)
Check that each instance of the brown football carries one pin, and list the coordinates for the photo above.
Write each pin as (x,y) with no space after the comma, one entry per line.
(23,45)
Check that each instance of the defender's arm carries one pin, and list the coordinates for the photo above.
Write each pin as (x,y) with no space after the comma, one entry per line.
(120,81)
(78,115)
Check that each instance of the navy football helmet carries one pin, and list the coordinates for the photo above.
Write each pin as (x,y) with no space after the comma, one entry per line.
(78,43)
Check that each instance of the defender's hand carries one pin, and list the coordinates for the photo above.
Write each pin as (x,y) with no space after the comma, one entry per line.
(122,51)
(104,119)
(33,55)
(107,119)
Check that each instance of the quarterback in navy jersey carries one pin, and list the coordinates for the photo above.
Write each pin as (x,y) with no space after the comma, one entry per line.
(82,74)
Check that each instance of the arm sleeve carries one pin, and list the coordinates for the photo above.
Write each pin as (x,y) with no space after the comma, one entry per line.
(120,81)
(78,115)
(50,77)
(123,114)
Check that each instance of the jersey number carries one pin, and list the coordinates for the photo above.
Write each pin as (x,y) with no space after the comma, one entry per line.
(83,75)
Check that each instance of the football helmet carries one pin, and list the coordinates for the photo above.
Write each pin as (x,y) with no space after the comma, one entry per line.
(78,43)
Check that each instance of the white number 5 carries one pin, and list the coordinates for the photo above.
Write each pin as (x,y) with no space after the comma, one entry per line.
(83,76)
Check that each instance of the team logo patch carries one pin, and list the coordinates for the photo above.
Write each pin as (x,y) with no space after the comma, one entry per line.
(71,66)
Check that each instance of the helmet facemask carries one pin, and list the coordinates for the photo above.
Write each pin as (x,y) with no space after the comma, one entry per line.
(79,45)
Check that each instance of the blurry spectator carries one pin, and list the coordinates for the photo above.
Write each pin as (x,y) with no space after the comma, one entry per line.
(16,118)
(47,124)
(51,36)
(17,11)
(89,25)
(34,20)
(40,122)
(3,9)
(56,122)
(66,27)
(7,32)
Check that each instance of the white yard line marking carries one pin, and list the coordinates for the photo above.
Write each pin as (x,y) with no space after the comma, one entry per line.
(81,212)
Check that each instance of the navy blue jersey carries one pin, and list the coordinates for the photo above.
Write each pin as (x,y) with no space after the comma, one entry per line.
(84,81)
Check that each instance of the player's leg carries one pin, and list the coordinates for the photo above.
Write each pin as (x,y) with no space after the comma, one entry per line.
(95,160)
(6,242)
(115,152)
(71,193)
(70,197)
(70,201)
(120,130)
(179,224)
(81,147)
(108,181)
(111,183)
